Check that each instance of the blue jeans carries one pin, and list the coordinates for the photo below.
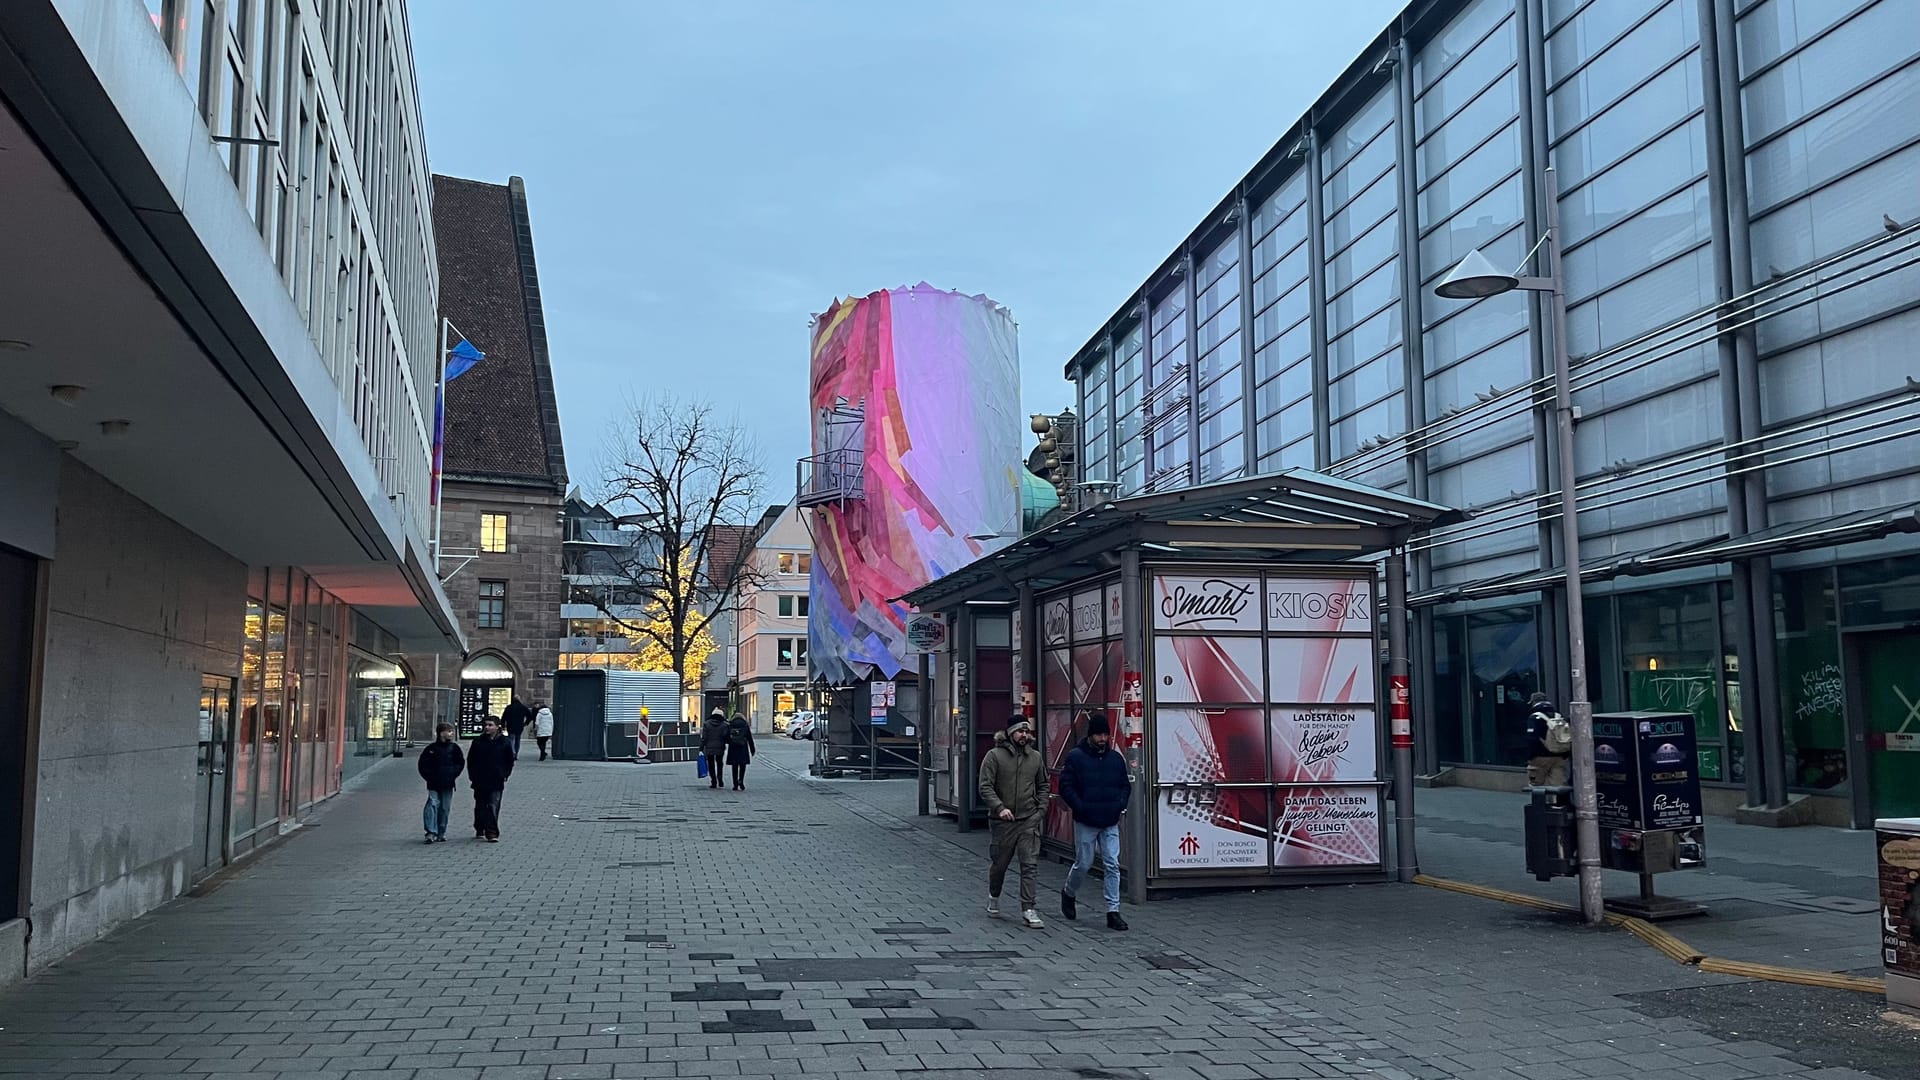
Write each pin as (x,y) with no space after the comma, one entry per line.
(433,816)
(1086,841)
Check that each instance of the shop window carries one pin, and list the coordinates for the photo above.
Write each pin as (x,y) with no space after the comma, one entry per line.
(1449,687)
(493,533)
(493,606)
(1812,692)
(1669,652)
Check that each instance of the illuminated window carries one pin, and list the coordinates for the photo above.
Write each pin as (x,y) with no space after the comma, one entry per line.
(796,562)
(493,533)
(493,606)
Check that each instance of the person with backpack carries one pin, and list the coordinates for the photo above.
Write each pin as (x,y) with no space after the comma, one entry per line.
(1549,743)
(740,749)
(441,764)
(713,744)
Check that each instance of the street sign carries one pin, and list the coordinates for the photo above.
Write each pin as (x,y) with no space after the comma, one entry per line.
(927,632)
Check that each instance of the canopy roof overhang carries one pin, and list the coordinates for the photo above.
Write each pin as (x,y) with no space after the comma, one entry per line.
(1296,516)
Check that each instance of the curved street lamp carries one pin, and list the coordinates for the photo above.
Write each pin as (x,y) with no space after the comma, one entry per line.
(1475,277)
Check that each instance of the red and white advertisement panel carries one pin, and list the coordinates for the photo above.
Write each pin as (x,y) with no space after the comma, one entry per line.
(1335,671)
(1326,826)
(1205,602)
(1202,829)
(1323,744)
(1319,605)
(1222,669)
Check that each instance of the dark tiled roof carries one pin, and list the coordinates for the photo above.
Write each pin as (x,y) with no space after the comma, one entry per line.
(723,553)
(502,422)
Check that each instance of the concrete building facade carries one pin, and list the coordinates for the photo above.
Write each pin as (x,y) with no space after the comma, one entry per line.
(216,324)
(1739,203)
(771,621)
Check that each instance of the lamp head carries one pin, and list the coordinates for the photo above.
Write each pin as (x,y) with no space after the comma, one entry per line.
(1475,277)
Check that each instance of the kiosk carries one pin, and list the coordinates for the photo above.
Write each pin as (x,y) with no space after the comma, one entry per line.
(1233,633)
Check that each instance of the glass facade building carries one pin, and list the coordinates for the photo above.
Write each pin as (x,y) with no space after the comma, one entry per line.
(1739,202)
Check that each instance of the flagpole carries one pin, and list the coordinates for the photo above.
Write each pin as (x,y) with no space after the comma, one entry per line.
(440,438)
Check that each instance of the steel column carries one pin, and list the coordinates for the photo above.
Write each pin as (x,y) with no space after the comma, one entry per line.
(1133,649)
(1317,296)
(1406,859)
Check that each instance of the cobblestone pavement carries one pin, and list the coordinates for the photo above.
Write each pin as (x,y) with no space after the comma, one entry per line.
(634,923)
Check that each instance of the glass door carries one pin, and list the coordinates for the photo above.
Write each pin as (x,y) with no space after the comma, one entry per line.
(210,803)
(1889,667)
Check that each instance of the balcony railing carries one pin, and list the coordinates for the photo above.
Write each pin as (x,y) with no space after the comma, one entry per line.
(835,476)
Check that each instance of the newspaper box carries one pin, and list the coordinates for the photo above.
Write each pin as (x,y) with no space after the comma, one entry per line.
(1898,842)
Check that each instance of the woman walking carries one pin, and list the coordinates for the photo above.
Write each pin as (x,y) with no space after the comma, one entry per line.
(740,749)
(713,745)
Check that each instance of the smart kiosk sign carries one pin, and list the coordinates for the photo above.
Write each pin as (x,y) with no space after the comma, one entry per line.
(1264,721)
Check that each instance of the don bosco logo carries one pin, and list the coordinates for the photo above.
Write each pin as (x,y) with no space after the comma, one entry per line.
(1306,604)
(1214,600)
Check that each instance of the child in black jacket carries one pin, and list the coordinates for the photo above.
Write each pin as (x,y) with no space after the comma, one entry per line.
(441,764)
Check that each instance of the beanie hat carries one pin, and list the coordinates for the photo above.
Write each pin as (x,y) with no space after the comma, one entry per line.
(1019,723)
(1097,724)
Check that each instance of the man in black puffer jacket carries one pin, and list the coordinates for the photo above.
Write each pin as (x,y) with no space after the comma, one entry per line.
(441,764)
(1094,784)
(489,763)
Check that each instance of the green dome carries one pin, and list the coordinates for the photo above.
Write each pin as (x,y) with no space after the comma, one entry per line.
(1037,499)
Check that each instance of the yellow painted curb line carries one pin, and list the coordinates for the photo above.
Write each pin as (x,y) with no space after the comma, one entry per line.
(1672,946)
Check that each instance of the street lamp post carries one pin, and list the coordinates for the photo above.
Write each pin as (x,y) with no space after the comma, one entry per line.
(1476,278)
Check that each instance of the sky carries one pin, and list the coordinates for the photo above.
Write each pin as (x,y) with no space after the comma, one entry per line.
(704,176)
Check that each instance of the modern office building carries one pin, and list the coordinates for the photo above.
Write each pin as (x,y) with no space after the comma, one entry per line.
(1739,198)
(503,467)
(216,367)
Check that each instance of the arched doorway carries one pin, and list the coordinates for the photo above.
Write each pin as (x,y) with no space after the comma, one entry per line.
(486,687)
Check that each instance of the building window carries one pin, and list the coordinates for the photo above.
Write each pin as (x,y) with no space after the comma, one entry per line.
(792,562)
(493,606)
(793,653)
(791,606)
(493,533)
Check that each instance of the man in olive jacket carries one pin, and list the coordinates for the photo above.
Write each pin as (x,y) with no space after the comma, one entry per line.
(1013,784)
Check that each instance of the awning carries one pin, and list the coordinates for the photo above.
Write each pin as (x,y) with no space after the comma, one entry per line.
(1295,515)
(1784,539)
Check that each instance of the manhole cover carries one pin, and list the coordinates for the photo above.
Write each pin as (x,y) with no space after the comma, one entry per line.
(725,991)
(753,1022)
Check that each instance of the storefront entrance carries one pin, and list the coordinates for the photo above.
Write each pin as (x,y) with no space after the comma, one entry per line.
(1887,682)
(486,689)
(17,607)
(210,800)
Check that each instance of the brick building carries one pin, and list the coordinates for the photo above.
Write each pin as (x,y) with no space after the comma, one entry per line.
(505,472)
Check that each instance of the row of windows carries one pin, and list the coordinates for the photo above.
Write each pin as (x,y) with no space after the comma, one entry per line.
(332,172)
(791,606)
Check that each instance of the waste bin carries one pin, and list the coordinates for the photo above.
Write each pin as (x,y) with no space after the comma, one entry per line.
(1550,844)
(1898,842)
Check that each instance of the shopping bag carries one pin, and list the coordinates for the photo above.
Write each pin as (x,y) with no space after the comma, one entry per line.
(702,767)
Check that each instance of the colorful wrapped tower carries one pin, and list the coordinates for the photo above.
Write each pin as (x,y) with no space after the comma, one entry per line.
(916,466)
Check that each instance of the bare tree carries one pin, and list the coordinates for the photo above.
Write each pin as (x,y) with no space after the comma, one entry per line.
(688,486)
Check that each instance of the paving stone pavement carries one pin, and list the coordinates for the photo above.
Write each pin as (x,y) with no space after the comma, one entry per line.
(634,923)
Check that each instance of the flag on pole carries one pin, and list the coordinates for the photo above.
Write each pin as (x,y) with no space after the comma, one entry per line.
(459,360)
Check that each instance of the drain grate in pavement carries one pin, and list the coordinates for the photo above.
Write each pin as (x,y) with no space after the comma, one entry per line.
(726,991)
(709,956)
(910,929)
(894,1001)
(919,1023)
(1167,961)
(649,938)
(754,1022)
(615,819)
(635,865)
(818,825)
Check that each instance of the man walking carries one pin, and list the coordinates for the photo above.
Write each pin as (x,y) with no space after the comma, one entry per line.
(1093,783)
(1013,784)
(440,766)
(515,719)
(489,763)
(713,744)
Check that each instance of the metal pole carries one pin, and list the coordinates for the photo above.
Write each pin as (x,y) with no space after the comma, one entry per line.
(439,435)
(1406,860)
(1579,708)
(1133,649)
(925,719)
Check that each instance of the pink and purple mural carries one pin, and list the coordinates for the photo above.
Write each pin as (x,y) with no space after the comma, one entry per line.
(935,379)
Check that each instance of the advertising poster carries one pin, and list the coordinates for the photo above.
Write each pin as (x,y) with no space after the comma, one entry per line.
(1669,773)
(1326,826)
(1210,746)
(1059,819)
(1207,828)
(1322,671)
(1319,605)
(1899,901)
(1113,608)
(1205,602)
(1062,733)
(1224,669)
(1056,678)
(1324,744)
(1056,620)
(1089,678)
(1087,607)
(1614,763)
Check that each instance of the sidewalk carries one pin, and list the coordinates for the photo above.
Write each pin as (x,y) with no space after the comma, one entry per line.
(634,923)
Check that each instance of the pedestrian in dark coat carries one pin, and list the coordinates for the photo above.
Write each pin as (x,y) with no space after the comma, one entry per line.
(740,749)
(489,763)
(515,719)
(441,764)
(713,744)
(1093,783)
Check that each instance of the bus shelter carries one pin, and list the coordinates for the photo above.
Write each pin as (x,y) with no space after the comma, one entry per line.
(1234,634)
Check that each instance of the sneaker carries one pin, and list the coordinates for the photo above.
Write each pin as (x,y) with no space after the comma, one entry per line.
(493,839)
(993,907)
(1031,918)
(429,838)
(1067,906)
(440,838)
(1115,922)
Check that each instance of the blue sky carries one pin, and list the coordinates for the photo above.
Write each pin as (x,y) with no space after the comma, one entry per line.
(703,176)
